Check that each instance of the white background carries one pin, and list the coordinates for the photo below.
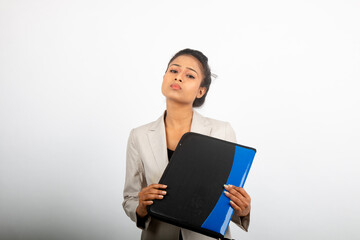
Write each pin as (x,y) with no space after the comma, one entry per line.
(76,76)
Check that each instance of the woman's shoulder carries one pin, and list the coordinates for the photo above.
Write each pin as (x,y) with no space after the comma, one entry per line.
(216,128)
(212,121)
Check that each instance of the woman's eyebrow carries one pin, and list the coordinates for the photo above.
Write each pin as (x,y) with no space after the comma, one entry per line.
(180,66)
(192,70)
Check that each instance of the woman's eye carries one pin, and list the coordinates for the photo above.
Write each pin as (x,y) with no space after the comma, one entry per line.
(173,71)
(190,76)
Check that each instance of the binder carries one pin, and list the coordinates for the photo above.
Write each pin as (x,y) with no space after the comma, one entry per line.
(195,178)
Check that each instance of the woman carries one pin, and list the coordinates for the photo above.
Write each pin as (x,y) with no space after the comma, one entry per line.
(185,85)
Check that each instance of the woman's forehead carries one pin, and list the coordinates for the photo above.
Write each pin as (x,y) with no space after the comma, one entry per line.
(187,61)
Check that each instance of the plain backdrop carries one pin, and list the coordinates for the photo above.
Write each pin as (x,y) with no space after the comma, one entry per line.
(77,76)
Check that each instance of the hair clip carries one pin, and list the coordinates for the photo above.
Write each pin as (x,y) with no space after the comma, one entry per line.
(214,75)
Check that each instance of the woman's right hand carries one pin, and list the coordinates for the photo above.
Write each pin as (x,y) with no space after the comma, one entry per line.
(146,195)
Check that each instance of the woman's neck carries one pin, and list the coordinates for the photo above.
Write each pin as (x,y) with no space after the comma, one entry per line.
(178,116)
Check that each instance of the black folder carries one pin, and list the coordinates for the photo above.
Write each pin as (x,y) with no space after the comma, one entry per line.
(195,178)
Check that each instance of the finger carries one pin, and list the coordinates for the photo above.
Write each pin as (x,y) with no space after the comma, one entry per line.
(147,203)
(144,194)
(154,191)
(153,187)
(233,198)
(236,207)
(151,197)
(157,185)
(239,189)
(234,192)
(242,202)
(231,188)
(239,192)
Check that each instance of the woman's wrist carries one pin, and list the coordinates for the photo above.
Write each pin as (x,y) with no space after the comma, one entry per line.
(141,221)
(141,213)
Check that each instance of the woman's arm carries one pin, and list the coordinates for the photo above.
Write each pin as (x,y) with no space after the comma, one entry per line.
(137,195)
(134,180)
(241,201)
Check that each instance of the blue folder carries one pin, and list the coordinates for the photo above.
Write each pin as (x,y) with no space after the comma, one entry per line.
(195,176)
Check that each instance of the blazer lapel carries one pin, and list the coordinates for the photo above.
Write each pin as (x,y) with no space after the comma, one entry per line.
(157,140)
(200,124)
(157,137)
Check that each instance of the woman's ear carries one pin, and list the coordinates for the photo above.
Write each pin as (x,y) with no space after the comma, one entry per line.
(202,91)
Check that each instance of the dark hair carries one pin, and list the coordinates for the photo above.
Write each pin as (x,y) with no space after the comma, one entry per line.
(205,69)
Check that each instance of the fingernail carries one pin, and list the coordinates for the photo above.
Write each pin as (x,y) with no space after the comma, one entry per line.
(226,192)
(226,186)
(163,192)
(161,196)
(164,186)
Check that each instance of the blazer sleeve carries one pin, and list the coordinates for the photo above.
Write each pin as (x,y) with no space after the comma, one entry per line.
(134,182)
(242,222)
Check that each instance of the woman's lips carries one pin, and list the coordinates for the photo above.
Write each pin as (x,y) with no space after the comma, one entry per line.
(175,86)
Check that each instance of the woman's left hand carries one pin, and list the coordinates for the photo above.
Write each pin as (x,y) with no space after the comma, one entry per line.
(240,200)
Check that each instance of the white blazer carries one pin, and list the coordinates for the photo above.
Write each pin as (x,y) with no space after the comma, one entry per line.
(146,159)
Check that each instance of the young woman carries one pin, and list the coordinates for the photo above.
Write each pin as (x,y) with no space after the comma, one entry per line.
(185,85)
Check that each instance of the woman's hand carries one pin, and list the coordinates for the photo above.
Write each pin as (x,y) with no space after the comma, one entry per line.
(240,200)
(146,195)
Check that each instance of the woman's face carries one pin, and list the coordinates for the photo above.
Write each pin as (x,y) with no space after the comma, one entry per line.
(181,82)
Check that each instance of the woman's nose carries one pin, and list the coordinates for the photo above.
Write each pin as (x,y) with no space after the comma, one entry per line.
(178,78)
